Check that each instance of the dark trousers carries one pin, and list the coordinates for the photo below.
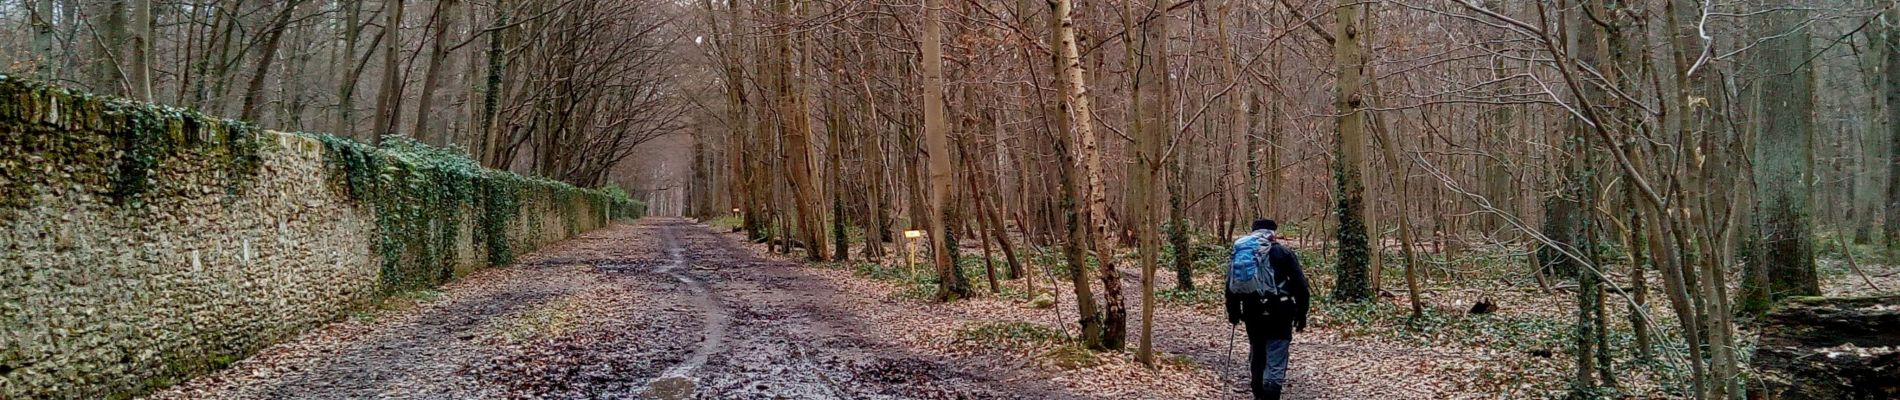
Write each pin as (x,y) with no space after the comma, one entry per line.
(1267,356)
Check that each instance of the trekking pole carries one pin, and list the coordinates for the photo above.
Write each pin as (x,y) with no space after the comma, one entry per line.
(1230,345)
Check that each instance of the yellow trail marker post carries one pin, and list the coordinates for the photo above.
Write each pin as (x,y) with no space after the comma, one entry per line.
(910,251)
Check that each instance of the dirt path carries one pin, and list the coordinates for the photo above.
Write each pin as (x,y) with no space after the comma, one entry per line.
(666,309)
(657,309)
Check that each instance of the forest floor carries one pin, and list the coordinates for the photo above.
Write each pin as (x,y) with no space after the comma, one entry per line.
(665,308)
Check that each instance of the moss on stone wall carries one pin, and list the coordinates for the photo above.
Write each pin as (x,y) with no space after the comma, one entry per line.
(190,242)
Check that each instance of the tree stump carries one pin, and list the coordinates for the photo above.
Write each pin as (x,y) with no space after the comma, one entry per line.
(1831,348)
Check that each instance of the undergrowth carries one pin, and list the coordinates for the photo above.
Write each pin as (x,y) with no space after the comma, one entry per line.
(1009,333)
(726,222)
(1050,346)
(1434,327)
(1830,246)
(920,284)
(1052,260)
(1208,256)
(1201,296)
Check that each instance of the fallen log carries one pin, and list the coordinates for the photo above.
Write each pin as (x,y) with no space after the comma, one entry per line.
(1831,348)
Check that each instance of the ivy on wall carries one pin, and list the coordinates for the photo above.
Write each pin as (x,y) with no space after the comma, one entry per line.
(421,196)
(146,135)
(72,153)
(140,137)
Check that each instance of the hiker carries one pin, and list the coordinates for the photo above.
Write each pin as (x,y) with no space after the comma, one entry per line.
(1266,290)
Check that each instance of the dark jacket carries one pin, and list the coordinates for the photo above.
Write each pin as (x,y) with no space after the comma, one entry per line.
(1280,317)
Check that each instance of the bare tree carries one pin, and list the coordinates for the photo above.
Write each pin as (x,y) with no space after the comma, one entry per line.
(389,97)
(442,21)
(139,50)
(1153,125)
(267,55)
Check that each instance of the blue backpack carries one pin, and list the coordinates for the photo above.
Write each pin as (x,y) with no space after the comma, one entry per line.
(1251,271)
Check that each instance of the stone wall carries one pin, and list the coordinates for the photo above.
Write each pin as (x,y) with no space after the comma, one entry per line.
(141,245)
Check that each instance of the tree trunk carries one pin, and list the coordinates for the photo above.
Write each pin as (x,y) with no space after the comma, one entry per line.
(45,37)
(1388,144)
(492,87)
(937,146)
(834,148)
(1353,284)
(874,169)
(230,51)
(1569,224)
(741,140)
(1398,179)
(443,17)
(1892,88)
(1115,318)
(999,232)
(1238,124)
(1784,165)
(1257,149)
(1075,115)
(1269,126)
(348,74)
(254,92)
(795,126)
(1178,237)
(1639,282)
(293,90)
(139,53)
(970,177)
(108,76)
(1153,124)
(389,98)
(1868,163)
(210,67)
(1494,171)
(699,204)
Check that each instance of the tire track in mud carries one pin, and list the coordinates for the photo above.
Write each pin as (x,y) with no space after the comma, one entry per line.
(792,334)
(677,382)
